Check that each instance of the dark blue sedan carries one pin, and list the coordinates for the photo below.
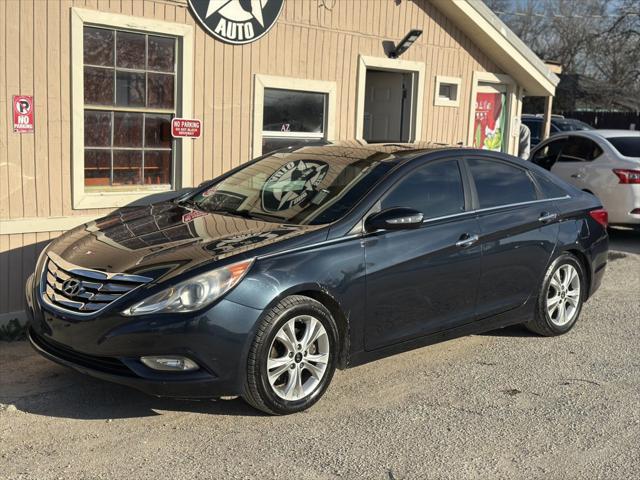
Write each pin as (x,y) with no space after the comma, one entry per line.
(262,282)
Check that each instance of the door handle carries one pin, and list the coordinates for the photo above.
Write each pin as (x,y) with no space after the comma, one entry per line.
(546,217)
(576,175)
(466,240)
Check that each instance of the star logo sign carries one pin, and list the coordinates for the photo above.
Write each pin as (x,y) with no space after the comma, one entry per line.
(292,184)
(237,21)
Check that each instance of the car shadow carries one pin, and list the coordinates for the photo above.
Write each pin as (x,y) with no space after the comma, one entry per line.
(623,240)
(511,331)
(45,388)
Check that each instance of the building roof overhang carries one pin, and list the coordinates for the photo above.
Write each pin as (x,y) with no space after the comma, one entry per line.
(500,44)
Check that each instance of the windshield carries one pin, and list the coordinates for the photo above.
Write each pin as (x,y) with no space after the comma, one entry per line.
(626,146)
(572,125)
(298,188)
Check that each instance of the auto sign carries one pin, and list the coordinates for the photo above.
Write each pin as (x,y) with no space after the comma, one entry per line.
(237,21)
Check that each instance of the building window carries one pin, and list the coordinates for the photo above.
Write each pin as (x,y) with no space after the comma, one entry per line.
(292,112)
(129,99)
(447,92)
(130,76)
(292,118)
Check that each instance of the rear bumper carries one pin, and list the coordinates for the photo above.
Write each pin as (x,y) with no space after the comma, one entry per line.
(620,202)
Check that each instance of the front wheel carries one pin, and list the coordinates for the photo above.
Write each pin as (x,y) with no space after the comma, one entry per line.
(561,296)
(292,358)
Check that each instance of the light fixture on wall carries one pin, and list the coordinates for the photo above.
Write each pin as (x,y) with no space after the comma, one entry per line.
(404,44)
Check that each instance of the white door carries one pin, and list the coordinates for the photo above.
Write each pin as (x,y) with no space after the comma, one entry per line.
(383,107)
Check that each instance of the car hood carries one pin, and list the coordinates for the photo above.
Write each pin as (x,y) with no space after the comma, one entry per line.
(164,240)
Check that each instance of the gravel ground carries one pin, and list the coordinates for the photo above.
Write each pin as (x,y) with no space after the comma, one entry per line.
(501,405)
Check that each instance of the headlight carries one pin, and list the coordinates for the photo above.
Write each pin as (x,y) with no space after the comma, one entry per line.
(193,294)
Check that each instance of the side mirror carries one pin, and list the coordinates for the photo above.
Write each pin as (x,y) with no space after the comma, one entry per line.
(397,218)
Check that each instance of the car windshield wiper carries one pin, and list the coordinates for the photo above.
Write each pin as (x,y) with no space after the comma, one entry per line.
(248,215)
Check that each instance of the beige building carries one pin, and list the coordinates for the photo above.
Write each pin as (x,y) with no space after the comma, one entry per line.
(107,76)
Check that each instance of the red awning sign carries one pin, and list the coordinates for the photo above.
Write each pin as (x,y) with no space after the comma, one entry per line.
(185,128)
(22,114)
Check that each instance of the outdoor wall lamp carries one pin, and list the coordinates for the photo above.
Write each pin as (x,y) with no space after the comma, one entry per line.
(405,43)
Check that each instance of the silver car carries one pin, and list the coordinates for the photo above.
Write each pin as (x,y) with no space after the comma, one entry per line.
(605,163)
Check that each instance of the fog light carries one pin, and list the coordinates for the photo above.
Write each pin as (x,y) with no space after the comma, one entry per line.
(170,363)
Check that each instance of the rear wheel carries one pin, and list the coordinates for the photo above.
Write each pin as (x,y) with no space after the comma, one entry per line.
(561,297)
(293,357)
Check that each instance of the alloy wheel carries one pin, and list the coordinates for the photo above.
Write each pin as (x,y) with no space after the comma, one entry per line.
(563,295)
(298,358)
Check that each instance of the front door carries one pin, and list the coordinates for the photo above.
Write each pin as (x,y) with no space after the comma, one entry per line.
(424,280)
(387,106)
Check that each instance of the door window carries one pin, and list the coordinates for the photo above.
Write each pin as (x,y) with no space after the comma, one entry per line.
(435,190)
(578,149)
(535,127)
(546,156)
(500,184)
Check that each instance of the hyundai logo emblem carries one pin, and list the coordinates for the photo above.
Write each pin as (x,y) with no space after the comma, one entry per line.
(71,287)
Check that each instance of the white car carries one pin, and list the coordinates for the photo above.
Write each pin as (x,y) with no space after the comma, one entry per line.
(605,163)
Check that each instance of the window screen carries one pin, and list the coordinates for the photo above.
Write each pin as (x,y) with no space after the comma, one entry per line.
(435,190)
(500,184)
(129,99)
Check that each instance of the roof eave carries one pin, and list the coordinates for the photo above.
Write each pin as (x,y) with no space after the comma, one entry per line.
(503,46)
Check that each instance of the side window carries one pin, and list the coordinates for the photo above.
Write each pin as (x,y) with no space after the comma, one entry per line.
(579,149)
(500,184)
(548,187)
(435,190)
(546,156)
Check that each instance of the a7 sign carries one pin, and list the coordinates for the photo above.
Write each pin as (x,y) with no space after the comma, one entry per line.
(23,114)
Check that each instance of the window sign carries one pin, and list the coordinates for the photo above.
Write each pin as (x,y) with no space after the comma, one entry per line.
(292,118)
(489,125)
(129,100)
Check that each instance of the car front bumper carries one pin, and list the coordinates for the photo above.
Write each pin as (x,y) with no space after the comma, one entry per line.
(109,346)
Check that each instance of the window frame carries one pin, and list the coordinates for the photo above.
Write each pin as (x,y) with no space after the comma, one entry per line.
(183,84)
(446,102)
(262,82)
(474,191)
(427,164)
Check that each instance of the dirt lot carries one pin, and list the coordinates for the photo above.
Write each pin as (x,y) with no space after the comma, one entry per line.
(502,405)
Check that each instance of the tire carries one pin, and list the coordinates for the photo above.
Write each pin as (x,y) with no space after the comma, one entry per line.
(555,290)
(271,383)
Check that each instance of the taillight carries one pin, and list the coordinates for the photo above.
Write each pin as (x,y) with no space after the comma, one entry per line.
(601,216)
(627,176)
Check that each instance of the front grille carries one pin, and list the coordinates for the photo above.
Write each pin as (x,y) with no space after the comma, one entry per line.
(80,290)
(104,364)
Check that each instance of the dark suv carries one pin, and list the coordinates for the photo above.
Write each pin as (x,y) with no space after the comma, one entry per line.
(558,124)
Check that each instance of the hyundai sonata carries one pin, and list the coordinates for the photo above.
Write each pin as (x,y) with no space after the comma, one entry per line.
(263,281)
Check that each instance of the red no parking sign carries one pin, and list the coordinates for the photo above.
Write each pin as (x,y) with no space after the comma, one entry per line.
(22,114)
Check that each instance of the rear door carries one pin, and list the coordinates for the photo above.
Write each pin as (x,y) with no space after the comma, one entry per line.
(423,280)
(518,233)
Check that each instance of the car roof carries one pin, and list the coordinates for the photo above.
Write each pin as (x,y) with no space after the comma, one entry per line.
(597,134)
(356,151)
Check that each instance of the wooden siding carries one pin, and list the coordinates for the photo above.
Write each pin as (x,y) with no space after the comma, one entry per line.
(313,39)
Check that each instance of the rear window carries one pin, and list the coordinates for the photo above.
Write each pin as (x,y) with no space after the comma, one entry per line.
(572,125)
(549,189)
(627,146)
(500,184)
